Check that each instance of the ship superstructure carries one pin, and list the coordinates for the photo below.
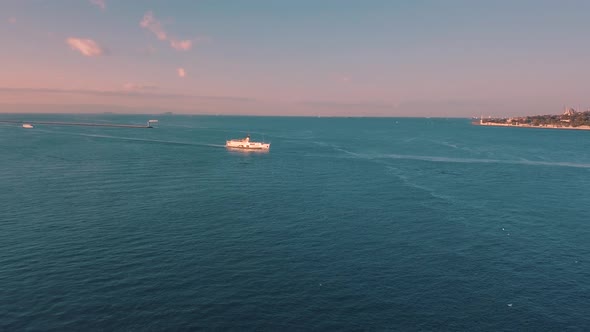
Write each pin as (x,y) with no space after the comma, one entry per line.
(245,143)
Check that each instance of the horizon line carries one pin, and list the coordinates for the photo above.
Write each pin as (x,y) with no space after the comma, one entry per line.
(243,115)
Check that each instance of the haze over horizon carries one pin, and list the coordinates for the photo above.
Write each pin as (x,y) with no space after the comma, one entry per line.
(265,57)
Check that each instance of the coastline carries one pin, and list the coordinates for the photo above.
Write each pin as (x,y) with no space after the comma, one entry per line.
(492,124)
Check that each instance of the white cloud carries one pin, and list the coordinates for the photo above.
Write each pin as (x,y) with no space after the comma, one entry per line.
(181,72)
(87,47)
(99,3)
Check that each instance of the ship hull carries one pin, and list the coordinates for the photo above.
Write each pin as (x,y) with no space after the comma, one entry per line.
(247,145)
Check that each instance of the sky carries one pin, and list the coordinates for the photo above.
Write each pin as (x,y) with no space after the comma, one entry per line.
(307,57)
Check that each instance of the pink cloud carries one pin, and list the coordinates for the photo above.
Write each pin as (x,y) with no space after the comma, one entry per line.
(139,87)
(99,3)
(181,45)
(344,78)
(11,20)
(147,50)
(87,47)
(181,72)
(150,23)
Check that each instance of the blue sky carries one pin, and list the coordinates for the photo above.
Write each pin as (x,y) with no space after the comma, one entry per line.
(386,58)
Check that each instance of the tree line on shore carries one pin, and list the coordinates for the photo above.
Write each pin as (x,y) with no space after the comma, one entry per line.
(568,119)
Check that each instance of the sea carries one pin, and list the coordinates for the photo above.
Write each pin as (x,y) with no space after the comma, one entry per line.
(346,224)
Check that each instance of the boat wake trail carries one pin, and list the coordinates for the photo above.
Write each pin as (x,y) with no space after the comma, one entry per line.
(406,180)
(439,159)
(484,161)
(136,139)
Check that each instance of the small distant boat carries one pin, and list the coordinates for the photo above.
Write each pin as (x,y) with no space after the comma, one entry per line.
(245,143)
(28,126)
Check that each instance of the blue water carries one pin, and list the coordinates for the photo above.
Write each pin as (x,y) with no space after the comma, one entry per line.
(346,224)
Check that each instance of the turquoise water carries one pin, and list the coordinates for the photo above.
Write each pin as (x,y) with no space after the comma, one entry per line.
(346,224)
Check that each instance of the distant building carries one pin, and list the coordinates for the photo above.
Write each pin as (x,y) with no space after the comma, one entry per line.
(569,112)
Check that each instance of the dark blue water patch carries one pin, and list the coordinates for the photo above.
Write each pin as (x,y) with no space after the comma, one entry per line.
(346,224)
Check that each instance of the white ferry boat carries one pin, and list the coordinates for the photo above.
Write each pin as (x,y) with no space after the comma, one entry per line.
(245,143)
(28,126)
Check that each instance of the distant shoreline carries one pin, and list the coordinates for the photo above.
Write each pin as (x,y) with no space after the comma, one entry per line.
(493,124)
